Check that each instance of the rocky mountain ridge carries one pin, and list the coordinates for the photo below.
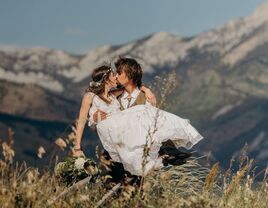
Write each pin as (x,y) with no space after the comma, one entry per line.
(222,82)
(52,69)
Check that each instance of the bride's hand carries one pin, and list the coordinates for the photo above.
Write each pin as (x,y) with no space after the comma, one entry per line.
(95,115)
(150,97)
(77,153)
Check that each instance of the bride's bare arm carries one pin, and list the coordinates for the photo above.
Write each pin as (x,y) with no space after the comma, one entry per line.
(149,95)
(82,119)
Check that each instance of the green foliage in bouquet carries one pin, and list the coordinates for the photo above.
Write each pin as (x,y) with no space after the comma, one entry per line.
(74,169)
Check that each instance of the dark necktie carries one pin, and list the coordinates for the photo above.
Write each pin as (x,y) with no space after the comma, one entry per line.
(129,100)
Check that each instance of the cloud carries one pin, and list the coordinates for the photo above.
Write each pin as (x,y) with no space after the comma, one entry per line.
(74,31)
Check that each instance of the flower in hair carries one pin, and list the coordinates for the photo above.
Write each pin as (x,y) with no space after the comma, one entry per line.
(98,83)
(95,84)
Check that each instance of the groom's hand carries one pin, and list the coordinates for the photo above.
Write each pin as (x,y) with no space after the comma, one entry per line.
(102,115)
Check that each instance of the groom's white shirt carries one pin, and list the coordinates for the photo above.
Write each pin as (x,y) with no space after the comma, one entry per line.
(134,95)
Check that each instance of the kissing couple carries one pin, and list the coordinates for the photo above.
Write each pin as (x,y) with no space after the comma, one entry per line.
(131,129)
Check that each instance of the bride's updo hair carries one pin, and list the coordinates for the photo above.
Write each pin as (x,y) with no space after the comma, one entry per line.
(99,76)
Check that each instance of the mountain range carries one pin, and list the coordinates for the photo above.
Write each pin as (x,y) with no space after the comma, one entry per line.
(222,85)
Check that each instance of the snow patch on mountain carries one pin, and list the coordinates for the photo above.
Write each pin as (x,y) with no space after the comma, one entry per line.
(38,78)
(92,60)
(160,50)
(45,57)
(258,143)
(246,47)
(225,109)
(244,28)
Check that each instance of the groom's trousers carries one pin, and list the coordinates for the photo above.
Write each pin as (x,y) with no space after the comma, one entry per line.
(117,172)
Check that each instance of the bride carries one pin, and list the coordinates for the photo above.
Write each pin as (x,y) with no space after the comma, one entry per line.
(132,136)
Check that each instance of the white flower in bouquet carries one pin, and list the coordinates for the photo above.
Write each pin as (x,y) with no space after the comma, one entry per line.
(73,169)
(79,163)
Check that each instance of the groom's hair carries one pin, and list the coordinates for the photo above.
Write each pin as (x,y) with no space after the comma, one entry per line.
(132,69)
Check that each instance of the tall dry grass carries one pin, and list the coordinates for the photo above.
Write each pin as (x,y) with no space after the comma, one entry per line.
(188,185)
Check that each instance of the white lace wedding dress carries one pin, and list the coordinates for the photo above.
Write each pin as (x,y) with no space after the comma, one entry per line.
(125,134)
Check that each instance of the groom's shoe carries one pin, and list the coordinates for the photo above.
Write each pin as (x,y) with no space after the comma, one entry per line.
(169,148)
(172,155)
(174,161)
(174,152)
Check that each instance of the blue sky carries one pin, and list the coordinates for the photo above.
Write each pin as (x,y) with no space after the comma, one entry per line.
(78,26)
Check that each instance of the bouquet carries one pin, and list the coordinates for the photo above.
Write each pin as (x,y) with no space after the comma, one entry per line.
(74,169)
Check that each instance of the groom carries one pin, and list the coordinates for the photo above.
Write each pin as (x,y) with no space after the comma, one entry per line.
(129,75)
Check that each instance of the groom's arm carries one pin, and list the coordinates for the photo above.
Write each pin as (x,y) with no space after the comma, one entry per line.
(102,115)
